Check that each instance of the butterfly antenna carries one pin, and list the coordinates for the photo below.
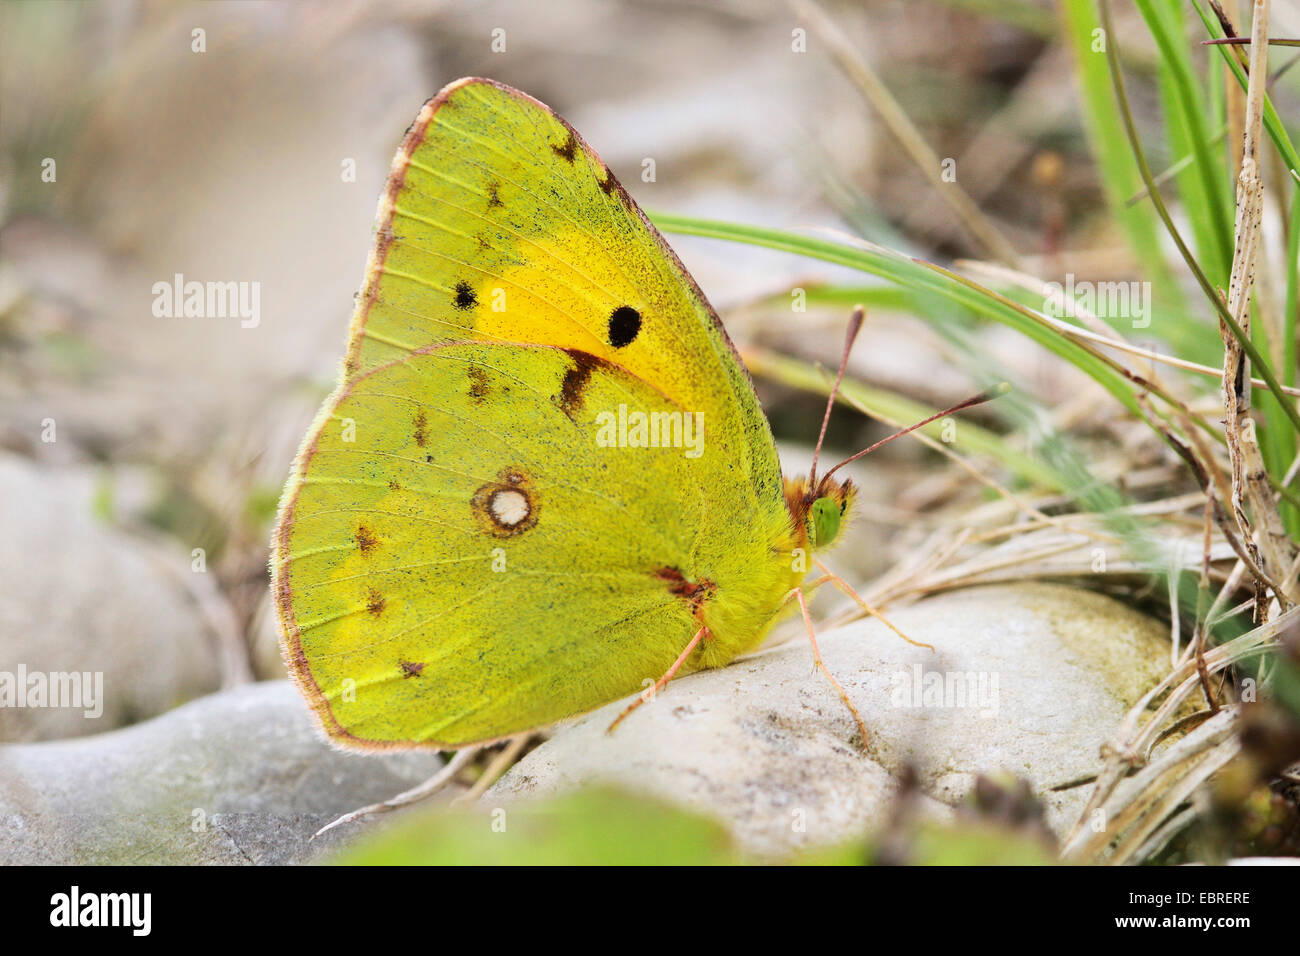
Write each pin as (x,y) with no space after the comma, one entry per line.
(855,326)
(980,399)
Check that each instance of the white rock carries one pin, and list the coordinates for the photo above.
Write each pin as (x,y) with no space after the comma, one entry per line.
(766,747)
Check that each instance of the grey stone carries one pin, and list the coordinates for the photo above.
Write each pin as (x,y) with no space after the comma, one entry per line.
(766,746)
(82,596)
(242,776)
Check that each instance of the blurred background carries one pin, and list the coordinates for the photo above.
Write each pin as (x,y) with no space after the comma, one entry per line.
(142,455)
(139,140)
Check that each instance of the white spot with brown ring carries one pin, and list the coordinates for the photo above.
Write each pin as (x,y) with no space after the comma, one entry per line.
(507,506)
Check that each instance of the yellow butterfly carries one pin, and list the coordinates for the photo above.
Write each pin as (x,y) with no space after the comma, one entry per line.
(544,479)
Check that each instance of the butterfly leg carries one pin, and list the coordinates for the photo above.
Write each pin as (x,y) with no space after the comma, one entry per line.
(649,693)
(459,760)
(821,665)
(807,589)
(847,588)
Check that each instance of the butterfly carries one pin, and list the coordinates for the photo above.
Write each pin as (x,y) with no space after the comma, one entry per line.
(544,480)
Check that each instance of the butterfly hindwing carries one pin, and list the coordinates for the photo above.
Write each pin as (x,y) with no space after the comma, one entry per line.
(468,555)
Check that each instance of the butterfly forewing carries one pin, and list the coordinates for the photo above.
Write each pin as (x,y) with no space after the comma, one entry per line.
(476,539)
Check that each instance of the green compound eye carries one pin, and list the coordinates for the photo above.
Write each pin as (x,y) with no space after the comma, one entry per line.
(825,515)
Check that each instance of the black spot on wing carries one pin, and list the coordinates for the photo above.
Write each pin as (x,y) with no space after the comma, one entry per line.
(624,326)
(465,297)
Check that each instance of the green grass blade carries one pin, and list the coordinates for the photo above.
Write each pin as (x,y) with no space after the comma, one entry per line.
(1119,176)
(921,276)
(894,408)
(1205,186)
(1272,122)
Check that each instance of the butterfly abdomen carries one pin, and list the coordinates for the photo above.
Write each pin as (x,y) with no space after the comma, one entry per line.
(738,594)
